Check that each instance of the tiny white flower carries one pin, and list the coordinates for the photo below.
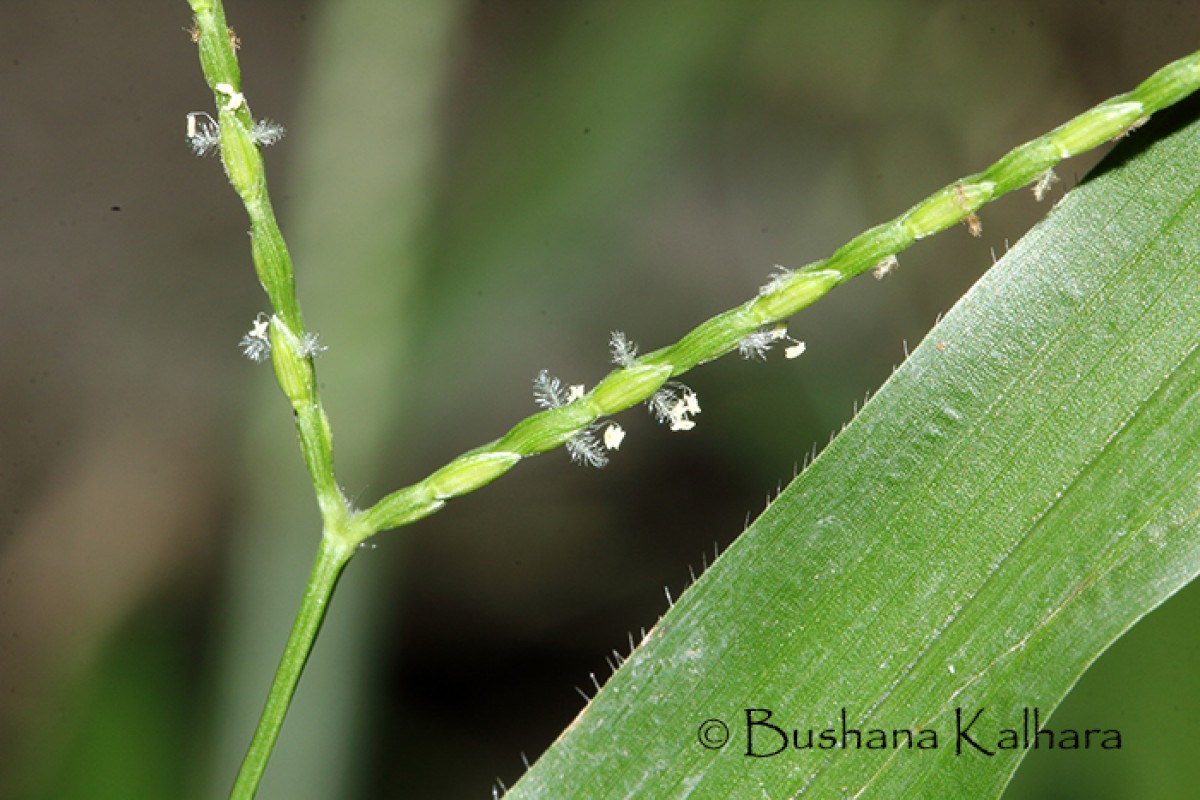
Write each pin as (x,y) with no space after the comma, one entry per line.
(680,412)
(674,404)
(884,267)
(756,344)
(256,345)
(614,434)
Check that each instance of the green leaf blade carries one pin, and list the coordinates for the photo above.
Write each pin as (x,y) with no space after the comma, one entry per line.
(1020,493)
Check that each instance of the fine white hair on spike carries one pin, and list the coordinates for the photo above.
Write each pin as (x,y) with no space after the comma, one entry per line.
(266,133)
(884,267)
(623,351)
(203,136)
(256,344)
(1042,187)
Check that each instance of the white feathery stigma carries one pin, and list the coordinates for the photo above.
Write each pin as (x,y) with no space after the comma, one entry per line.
(1042,187)
(266,133)
(310,345)
(548,391)
(585,448)
(624,352)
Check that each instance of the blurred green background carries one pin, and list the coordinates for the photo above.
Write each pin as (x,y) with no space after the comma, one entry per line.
(473,191)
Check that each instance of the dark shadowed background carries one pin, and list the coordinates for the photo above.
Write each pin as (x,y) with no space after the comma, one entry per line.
(473,192)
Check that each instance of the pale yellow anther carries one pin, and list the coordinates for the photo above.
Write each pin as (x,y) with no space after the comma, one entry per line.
(682,424)
(259,329)
(796,350)
(576,392)
(680,412)
(614,434)
(691,403)
(236,98)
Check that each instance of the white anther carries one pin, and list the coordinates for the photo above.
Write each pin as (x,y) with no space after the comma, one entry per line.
(256,345)
(691,403)
(614,434)
(236,98)
(682,424)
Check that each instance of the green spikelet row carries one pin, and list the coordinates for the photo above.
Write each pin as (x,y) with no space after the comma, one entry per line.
(790,291)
